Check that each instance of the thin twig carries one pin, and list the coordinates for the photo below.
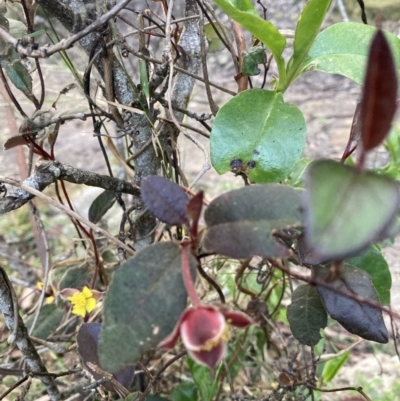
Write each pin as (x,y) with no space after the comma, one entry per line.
(48,172)
(158,374)
(179,69)
(342,10)
(13,387)
(199,131)
(47,51)
(242,80)
(152,27)
(315,281)
(42,231)
(227,39)
(67,211)
(359,389)
(213,107)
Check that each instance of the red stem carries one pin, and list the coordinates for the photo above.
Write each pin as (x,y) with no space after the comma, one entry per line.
(187,278)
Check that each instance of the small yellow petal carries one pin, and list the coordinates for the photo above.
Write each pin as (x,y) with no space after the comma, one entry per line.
(77,298)
(79,310)
(90,304)
(87,293)
(50,300)
(39,285)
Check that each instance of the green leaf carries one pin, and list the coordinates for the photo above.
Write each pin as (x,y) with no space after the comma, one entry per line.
(185,391)
(143,304)
(346,210)
(214,42)
(373,262)
(343,49)
(235,361)
(144,79)
(133,396)
(201,375)
(295,178)
(333,366)
(355,316)
(308,25)
(49,319)
(101,205)
(154,397)
(19,76)
(306,315)
(243,12)
(240,222)
(37,33)
(257,134)
(5,47)
(76,277)
(251,58)
(17,28)
(87,340)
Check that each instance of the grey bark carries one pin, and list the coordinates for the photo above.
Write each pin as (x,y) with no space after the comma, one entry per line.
(48,172)
(147,163)
(191,45)
(23,341)
(75,15)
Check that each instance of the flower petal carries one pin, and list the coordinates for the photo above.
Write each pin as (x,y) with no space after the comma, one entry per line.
(67,293)
(86,292)
(210,358)
(237,319)
(90,304)
(170,341)
(200,326)
(79,310)
(50,299)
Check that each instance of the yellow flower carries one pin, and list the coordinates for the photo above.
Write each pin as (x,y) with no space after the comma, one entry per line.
(83,302)
(49,294)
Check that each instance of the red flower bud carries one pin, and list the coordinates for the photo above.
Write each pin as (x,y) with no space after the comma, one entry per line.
(204,331)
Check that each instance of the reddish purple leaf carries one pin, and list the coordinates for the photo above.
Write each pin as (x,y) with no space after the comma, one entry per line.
(378,103)
(14,141)
(193,210)
(165,199)
(87,340)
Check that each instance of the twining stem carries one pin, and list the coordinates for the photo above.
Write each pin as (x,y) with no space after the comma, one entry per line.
(187,278)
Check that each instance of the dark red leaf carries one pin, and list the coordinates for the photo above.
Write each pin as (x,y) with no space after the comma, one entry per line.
(14,141)
(165,199)
(88,339)
(378,103)
(355,316)
(193,210)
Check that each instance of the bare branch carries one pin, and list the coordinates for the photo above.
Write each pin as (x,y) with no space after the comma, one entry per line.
(28,190)
(22,339)
(48,172)
(47,51)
